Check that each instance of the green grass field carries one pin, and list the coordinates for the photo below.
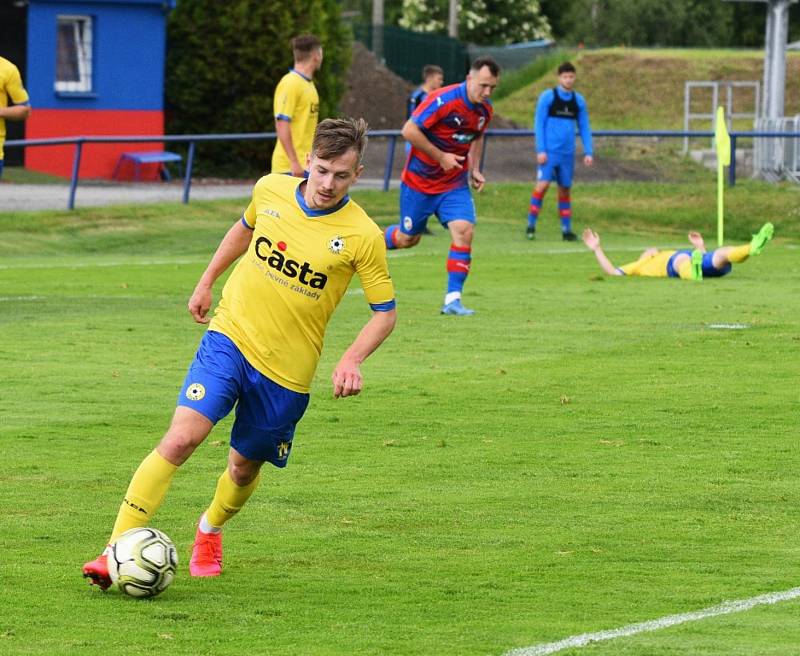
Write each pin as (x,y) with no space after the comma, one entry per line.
(584,453)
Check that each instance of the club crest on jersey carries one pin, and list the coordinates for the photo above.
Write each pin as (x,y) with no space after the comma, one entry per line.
(290,268)
(336,245)
(195,392)
(481,122)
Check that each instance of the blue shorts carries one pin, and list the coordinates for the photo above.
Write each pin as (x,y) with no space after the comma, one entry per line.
(416,207)
(266,413)
(558,167)
(1,168)
(709,270)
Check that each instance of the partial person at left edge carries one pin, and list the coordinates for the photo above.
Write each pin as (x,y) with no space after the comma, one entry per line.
(14,102)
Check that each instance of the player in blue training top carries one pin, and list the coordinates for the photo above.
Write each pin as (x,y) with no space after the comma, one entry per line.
(557,113)
(446,135)
(432,79)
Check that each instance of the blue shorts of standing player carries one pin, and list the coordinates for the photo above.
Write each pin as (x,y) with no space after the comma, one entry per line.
(558,168)
(266,413)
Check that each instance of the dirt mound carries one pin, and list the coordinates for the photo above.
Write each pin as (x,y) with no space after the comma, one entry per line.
(374,93)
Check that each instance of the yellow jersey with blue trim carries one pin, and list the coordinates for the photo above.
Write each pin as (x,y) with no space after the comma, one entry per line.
(278,299)
(296,100)
(10,87)
(654,266)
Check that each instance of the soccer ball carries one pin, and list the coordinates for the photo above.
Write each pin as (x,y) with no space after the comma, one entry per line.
(142,562)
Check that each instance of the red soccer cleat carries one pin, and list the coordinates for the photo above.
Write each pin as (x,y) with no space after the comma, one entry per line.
(97,572)
(206,554)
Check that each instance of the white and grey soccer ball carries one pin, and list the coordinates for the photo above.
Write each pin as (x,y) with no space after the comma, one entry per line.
(142,562)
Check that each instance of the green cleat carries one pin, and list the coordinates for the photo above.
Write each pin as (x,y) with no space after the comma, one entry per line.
(761,238)
(697,265)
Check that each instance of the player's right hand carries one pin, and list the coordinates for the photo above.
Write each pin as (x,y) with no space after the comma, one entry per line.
(450,161)
(541,158)
(199,305)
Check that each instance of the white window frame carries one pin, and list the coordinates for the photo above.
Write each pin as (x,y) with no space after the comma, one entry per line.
(82,35)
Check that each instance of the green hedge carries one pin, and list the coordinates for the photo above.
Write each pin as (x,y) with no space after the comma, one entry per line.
(224,61)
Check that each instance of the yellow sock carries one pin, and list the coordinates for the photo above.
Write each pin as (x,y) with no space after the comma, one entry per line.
(739,253)
(145,493)
(228,499)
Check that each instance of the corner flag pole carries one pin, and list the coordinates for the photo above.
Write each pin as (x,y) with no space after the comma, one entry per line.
(722,141)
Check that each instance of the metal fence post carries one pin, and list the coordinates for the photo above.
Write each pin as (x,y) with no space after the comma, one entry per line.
(76,165)
(387,171)
(483,151)
(187,180)
(732,167)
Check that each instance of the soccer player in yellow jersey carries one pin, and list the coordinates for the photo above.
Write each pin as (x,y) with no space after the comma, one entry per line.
(300,242)
(687,264)
(19,108)
(296,107)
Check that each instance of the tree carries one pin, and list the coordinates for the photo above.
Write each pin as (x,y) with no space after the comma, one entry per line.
(681,23)
(484,22)
(224,61)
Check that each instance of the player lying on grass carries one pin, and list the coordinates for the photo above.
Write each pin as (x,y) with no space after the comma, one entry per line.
(686,264)
(300,242)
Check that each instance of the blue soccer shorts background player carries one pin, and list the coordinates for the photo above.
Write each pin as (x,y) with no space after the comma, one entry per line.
(687,264)
(446,136)
(300,242)
(558,112)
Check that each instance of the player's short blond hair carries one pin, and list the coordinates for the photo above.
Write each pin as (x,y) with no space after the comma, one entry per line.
(335,136)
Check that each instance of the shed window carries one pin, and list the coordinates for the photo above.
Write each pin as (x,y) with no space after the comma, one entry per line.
(74,54)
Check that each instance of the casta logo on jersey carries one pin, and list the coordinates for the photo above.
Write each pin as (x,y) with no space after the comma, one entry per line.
(287,266)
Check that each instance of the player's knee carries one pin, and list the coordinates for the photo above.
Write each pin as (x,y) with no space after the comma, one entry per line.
(178,444)
(462,234)
(243,472)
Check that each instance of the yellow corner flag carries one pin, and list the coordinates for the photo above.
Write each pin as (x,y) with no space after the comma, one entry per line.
(722,141)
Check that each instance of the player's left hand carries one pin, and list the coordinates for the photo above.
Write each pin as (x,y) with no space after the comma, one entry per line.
(347,380)
(588,160)
(477,180)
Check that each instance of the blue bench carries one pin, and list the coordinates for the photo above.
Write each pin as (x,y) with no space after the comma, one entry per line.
(148,157)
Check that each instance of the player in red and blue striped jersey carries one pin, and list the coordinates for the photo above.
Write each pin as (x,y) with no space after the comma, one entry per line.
(446,136)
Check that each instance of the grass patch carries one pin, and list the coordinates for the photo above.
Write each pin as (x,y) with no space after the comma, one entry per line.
(584,453)
(515,80)
(637,89)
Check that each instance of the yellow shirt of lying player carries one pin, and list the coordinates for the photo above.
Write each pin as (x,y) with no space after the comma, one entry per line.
(10,87)
(654,266)
(279,298)
(297,101)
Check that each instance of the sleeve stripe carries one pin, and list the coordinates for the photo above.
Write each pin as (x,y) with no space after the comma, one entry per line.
(283,117)
(383,307)
(246,224)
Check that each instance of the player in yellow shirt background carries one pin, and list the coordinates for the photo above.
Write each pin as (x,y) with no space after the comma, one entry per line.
(300,242)
(687,264)
(296,107)
(14,102)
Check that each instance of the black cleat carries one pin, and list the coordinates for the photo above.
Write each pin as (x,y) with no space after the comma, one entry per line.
(569,236)
(530,233)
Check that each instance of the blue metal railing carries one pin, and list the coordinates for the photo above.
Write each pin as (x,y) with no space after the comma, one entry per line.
(391,135)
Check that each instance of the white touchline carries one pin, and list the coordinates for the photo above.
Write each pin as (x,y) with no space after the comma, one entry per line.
(724,608)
